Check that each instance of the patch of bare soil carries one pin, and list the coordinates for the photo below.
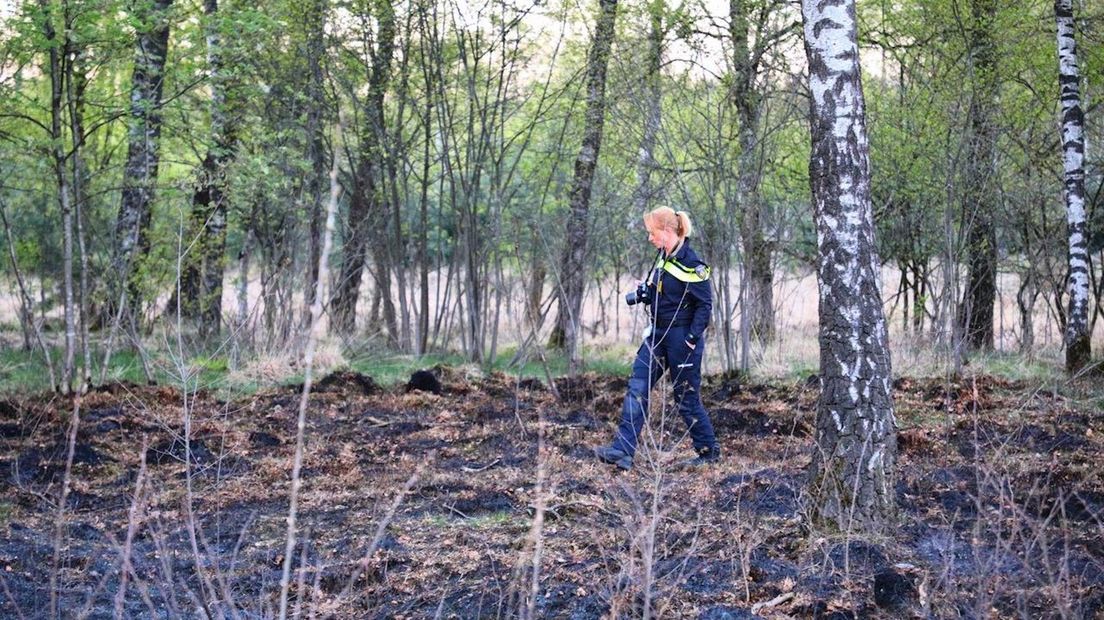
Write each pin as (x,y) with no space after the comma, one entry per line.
(1000,493)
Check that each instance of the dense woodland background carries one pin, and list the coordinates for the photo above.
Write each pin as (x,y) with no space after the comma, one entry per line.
(157,151)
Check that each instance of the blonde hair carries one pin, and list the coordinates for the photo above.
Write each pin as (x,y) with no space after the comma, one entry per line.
(666,218)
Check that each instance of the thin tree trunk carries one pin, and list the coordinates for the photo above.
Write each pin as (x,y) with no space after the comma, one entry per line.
(56,56)
(852,472)
(423,241)
(75,83)
(422,340)
(1078,335)
(316,24)
(382,277)
(980,197)
(395,238)
(574,268)
(240,334)
(1025,299)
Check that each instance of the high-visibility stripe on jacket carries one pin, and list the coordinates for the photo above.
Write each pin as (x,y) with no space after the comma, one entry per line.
(682,272)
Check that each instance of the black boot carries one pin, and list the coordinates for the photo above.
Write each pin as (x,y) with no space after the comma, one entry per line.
(613,456)
(707,455)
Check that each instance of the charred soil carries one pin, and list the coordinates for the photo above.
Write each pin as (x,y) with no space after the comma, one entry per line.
(999,487)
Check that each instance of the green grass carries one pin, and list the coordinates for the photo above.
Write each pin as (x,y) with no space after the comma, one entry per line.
(797,372)
(25,372)
(489,520)
(1017,367)
(22,370)
(388,370)
(493,520)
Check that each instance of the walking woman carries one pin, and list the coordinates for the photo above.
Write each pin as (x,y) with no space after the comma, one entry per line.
(680,301)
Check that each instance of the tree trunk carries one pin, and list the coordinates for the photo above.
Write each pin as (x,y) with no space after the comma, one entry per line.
(56,56)
(852,472)
(76,81)
(426,43)
(644,191)
(757,317)
(367,186)
(422,339)
(1025,299)
(240,336)
(980,196)
(395,238)
(201,285)
(575,249)
(1078,335)
(347,288)
(316,24)
(143,149)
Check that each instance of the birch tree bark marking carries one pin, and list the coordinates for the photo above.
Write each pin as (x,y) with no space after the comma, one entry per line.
(852,470)
(201,280)
(1078,346)
(143,139)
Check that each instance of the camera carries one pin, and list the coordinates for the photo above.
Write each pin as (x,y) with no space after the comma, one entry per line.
(640,295)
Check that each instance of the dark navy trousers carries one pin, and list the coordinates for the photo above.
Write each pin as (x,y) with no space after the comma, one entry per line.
(666,350)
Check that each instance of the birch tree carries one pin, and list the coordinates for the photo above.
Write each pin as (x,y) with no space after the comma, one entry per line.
(573,264)
(1078,335)
(851,481)
(201,281)
(143,145)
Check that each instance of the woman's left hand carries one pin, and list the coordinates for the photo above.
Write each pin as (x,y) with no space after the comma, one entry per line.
(692,345)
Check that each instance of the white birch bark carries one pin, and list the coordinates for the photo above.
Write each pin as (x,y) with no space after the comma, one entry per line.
(852,470)
(1073,162)
(143,139)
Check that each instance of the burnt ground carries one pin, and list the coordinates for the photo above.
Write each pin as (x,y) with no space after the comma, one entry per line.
(1000,494)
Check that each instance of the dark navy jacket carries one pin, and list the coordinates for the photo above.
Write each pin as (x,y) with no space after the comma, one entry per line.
(679,292)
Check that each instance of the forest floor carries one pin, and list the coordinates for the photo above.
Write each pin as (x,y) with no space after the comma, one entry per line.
(418,505)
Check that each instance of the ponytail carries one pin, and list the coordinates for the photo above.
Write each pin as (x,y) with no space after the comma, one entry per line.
(684,225)
(666,218)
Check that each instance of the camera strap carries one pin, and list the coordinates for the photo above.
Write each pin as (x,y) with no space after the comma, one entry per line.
(657,264)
